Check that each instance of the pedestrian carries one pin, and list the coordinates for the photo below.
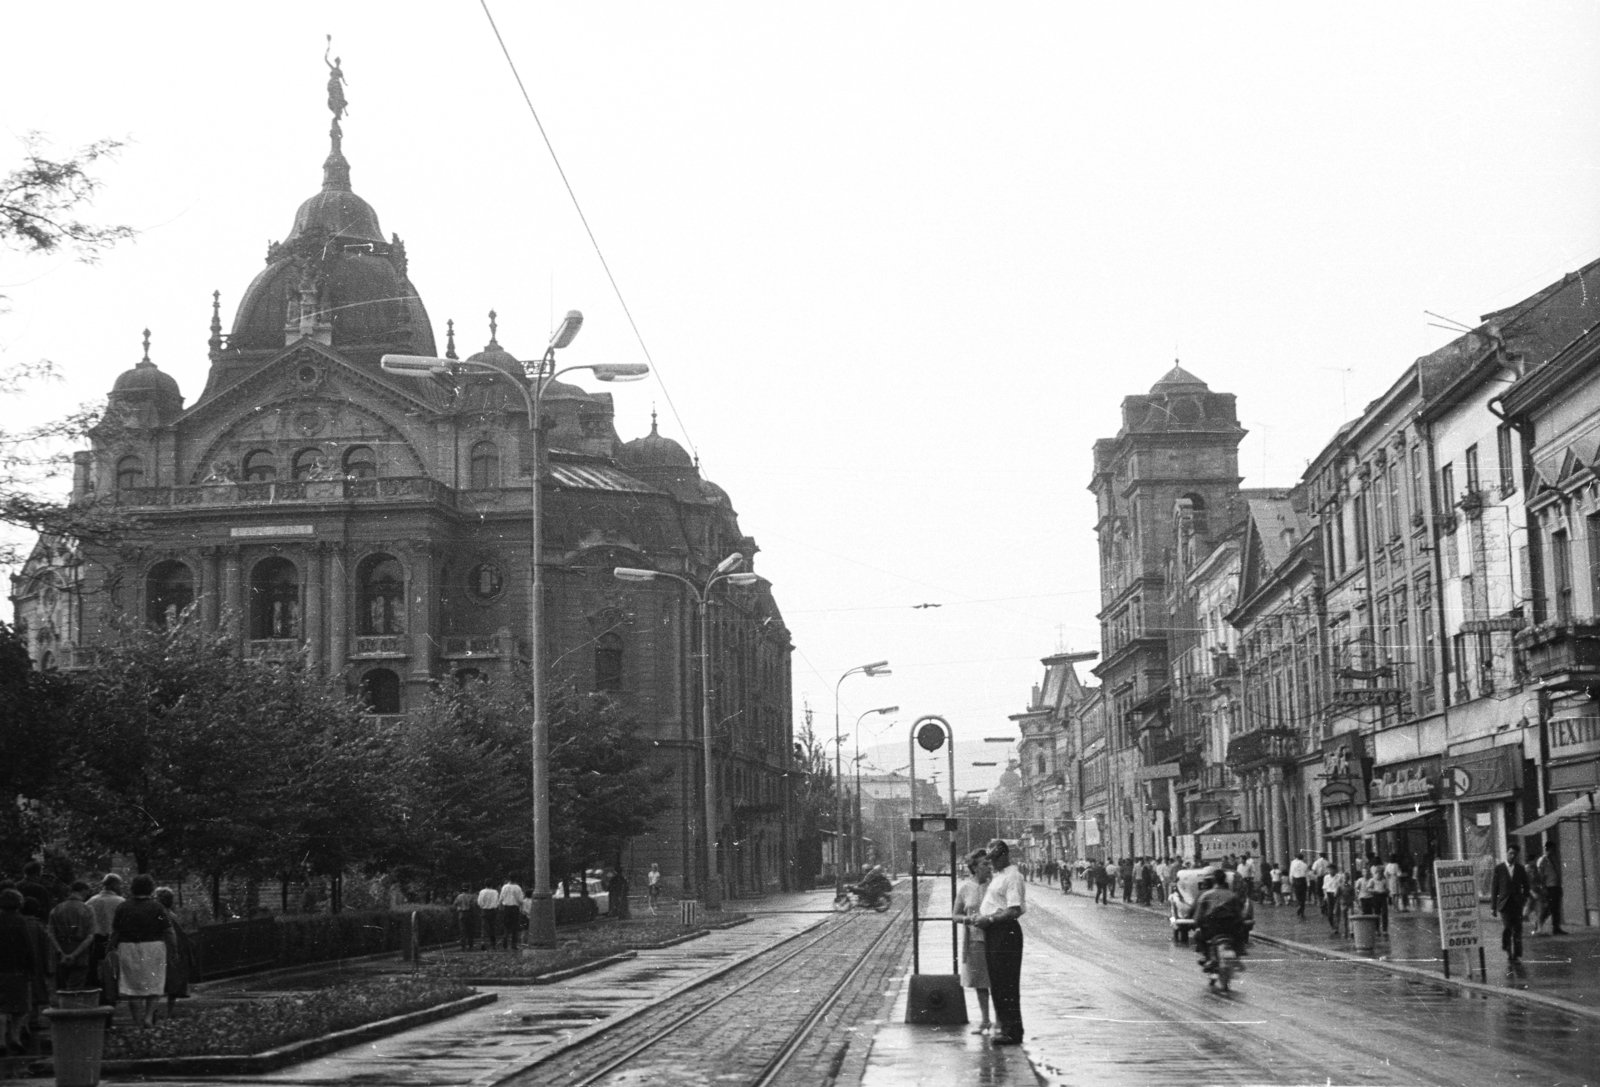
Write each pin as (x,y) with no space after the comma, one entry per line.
(1509,896)
(654,886)
(617,896)
(1334,886)
(1319,868)
(1299,875)
(1125,873)
(1004,902)
(511,901)
(71,932)
(1392,888)
(139,931)
(466,905)
(19,964)
(489,913)
(1143,881)
(180,953)
(102,967)
(1102,882)
(1366,893)
(974,959)
(1247,876)
(37,900)
(1549,869)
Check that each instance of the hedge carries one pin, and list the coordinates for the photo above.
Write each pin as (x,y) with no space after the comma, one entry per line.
(290,941)
(576,910)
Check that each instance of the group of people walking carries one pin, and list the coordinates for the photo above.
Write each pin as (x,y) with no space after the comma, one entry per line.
(62,939)
(494,917)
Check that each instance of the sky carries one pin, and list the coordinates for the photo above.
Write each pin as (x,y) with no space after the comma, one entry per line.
(896,264)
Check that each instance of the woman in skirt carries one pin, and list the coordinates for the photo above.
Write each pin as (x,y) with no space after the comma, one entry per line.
(139,932)
(974,964)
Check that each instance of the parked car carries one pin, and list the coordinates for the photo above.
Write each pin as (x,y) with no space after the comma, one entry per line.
(1181,903)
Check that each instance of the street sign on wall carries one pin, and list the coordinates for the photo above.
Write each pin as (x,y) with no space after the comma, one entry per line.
(1457,883)
(1214,847)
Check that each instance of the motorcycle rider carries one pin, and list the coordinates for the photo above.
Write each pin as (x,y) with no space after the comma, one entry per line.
(873,886)
(1218,914)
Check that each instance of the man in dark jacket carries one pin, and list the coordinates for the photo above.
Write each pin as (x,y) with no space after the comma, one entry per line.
(1509,899)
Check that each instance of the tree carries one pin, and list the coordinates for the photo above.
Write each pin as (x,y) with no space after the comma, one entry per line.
(30,704)
(39,205)
(815,798)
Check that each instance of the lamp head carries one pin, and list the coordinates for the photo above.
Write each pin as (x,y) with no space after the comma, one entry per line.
(629,573)
(879,669)
(620,371)
(414,365)
(568,329)
(743,579)
(888,709)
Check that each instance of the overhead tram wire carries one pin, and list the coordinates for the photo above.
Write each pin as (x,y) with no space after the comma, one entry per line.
(655,367)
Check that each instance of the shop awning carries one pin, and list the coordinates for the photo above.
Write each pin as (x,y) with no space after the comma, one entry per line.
(1356,829)
(1398,819)
(1572,809)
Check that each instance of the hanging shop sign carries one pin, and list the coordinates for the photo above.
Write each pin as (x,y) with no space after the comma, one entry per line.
(1214,847)
(1482,774)
(1406,782)
(1344,776)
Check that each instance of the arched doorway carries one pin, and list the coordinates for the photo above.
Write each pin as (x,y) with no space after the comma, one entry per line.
(168,590)
(274,599)
(380,691)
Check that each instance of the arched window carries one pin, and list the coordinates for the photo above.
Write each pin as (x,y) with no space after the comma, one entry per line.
(383,596)
(485,466)
(260,467)
(130,473)
(168,589)
(380,691)
(608,662)
(307,464)
(360,462)
(275,599)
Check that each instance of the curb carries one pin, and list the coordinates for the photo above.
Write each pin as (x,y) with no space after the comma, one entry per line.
(293,1053)
(1554,1003)
(554,975)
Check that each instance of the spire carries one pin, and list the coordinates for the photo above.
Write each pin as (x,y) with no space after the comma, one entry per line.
(216,325)
(653,431)
(146,360)
(335,169)
(494,330)
(450,339)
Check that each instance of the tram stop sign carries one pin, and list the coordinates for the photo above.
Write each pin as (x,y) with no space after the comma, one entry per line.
(930,737)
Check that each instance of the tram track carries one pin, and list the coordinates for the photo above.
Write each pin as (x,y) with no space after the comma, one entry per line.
(733,1022)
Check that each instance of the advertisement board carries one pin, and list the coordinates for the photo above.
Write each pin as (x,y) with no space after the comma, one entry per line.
(1213,847)
(1457,883)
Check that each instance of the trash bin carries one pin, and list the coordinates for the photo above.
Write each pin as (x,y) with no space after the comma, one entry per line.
(1364,926)
(688,911)
(78,1037)
(78,998)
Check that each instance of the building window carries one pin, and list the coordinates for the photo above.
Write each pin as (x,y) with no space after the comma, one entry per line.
(485,466)
(169,589)
(260,467)
(1591,525)
(468,676)
(608,662)
(1474,482)
(1561,573)
(275,599)
(360,462)
(130,473)
(307,464)
(1393,477)
(380,691)
(1359,523)
(383,596)
(1447,488)
(1418,495)
(485,582)
(1425,634)
(1380,510)
(1508,468)
(1338,540)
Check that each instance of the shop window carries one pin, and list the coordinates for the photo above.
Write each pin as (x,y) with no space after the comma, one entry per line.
(275,599)
(380,691)
(485,466)
(360,462)
(382,595)
(260,467)
(608,662)
(169,589)
(130,473)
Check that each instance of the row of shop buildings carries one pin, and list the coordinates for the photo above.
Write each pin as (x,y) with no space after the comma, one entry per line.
(1399,656)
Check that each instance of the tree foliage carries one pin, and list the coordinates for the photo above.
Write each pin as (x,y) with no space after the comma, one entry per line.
(30,702)
(41,198)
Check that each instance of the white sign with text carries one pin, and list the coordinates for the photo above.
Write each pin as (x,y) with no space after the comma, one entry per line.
(1457,883)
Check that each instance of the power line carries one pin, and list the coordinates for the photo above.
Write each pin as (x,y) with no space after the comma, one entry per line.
(655,368)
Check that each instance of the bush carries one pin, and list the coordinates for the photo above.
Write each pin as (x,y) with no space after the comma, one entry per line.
(576,911)
(292,941)
(258,1025)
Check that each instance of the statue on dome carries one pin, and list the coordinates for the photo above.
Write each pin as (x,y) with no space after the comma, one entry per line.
(336,84)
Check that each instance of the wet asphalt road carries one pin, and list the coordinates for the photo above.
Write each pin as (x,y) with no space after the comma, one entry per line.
(1109,999)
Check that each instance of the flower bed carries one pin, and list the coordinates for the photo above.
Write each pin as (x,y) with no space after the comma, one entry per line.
(577,948)
(276,1021)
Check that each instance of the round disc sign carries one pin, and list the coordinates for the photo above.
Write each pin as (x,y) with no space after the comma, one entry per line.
(930,737)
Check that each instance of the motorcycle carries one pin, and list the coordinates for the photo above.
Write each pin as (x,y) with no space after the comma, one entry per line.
(853,898)
(1223,965)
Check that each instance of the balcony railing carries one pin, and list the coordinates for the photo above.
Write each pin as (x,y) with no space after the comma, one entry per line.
(1215,776)
(1557,648)
(275,492)
(274,649)
(1263,747)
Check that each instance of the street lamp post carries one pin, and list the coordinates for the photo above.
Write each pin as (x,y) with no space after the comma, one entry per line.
(855,840)
(542,910)
(876,668)
(712,892)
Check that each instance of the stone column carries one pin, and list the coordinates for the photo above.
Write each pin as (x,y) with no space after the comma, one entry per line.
(234,618)
(338,624)
(419,615)
(316,629)
(1277,835)
(209,587)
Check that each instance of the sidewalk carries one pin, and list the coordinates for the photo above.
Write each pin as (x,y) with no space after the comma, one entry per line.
(1557,971)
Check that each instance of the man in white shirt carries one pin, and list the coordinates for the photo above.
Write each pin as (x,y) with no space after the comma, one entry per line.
(511,900)
(1003,903)
(489,910)
(1319,869)
(1299,873)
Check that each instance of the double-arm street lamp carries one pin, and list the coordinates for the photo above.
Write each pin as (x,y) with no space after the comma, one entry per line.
(542,915)
(876,668)
(712,891)
(855,843)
